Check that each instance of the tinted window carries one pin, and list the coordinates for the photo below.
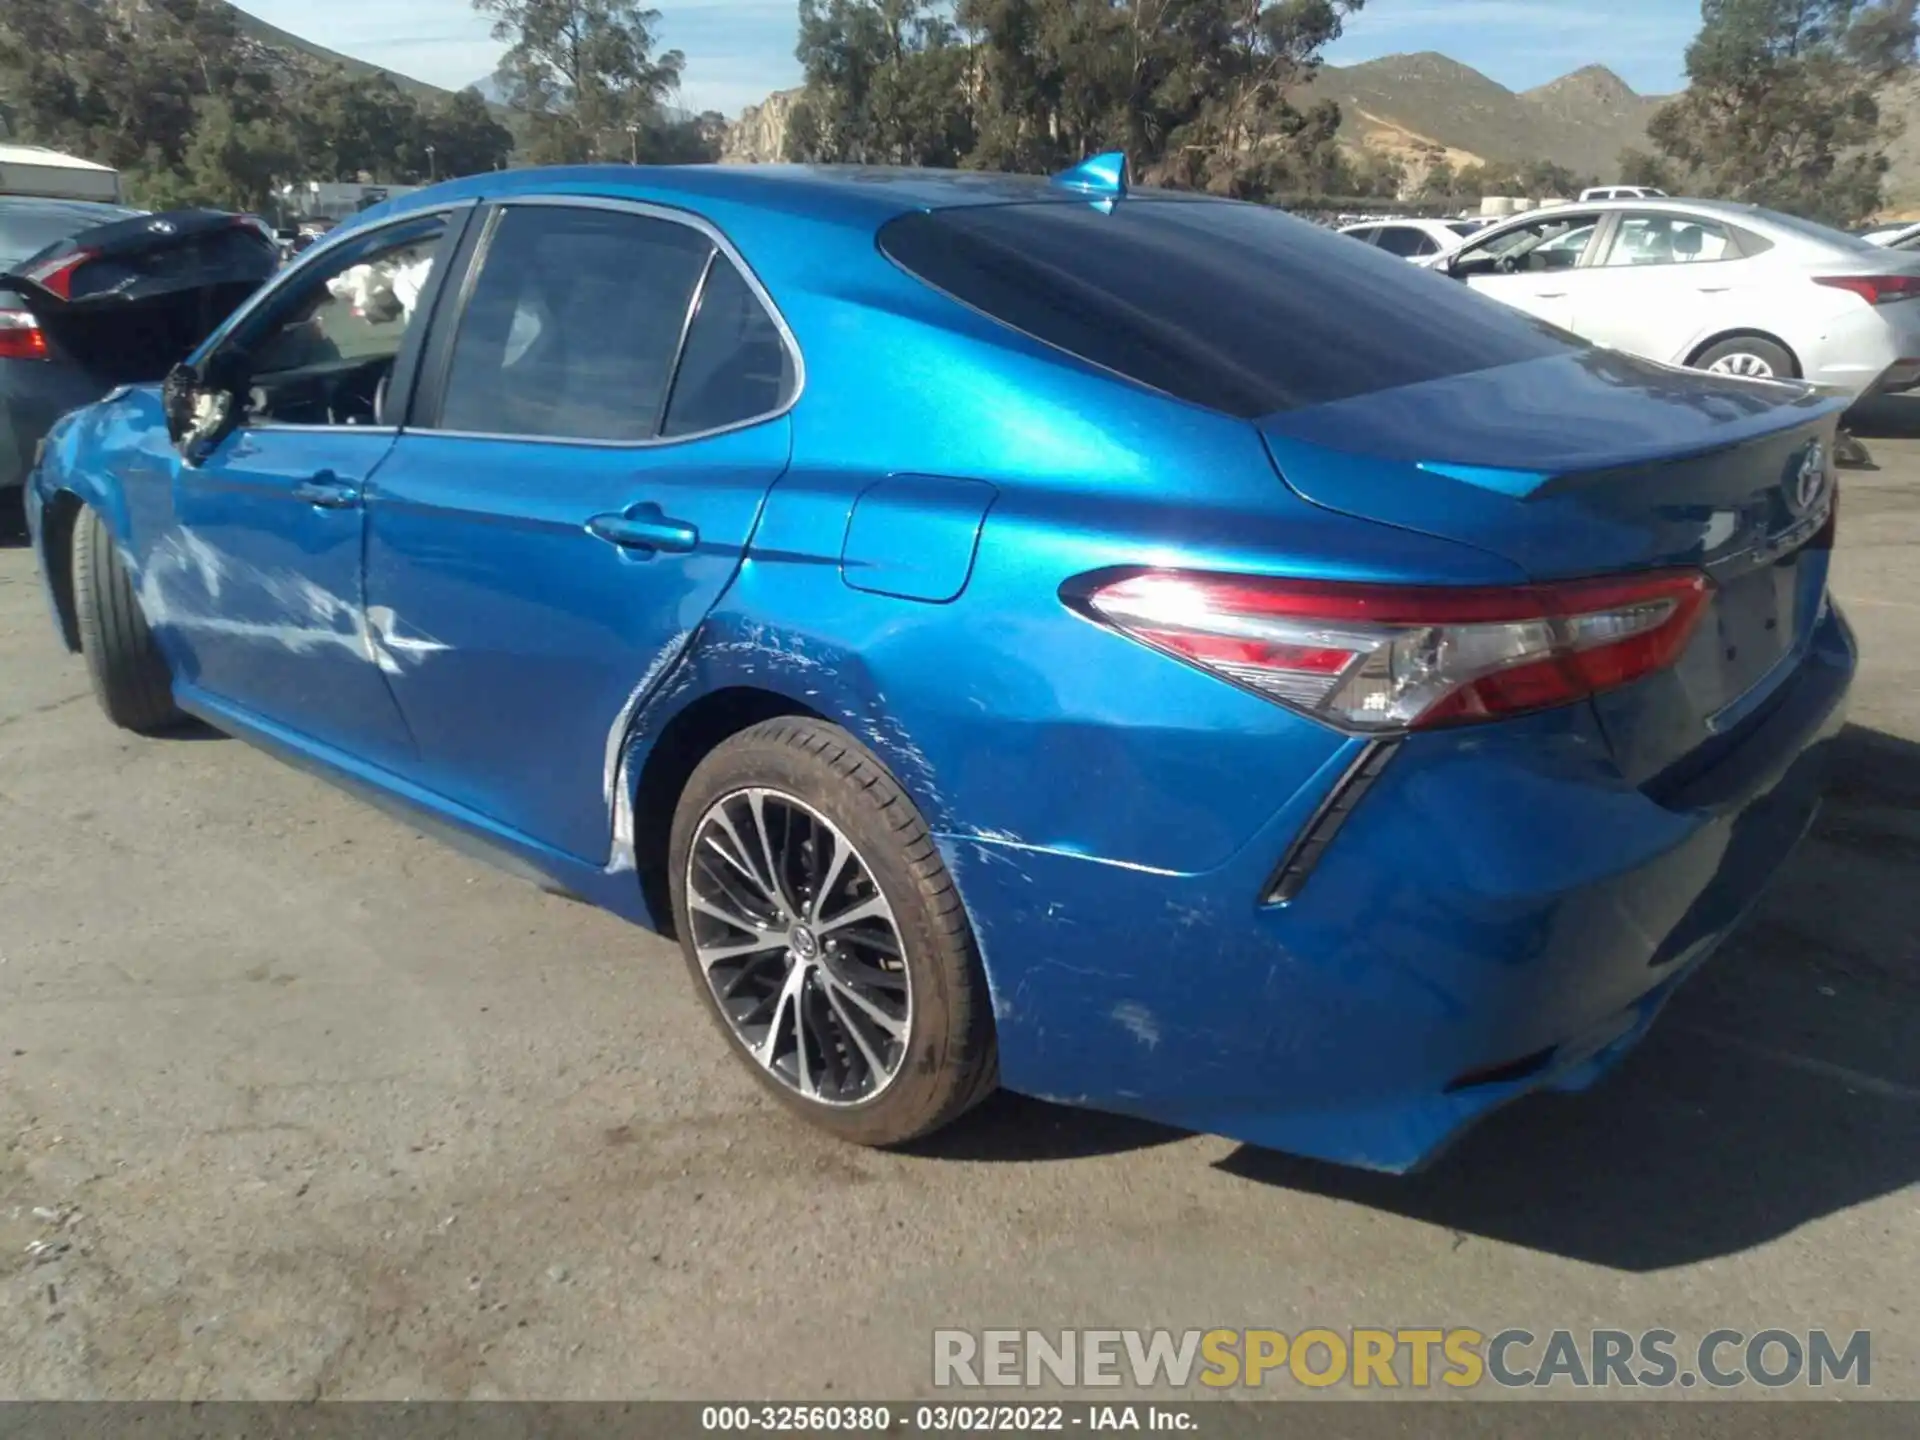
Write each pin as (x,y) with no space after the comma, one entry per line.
(1236,307)
(1366,235)
(735,366)
(228,255)
(1407,242)
(573,326)
(28,227)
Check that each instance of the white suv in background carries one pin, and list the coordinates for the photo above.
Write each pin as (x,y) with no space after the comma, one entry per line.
(1729,288)
(1620,192)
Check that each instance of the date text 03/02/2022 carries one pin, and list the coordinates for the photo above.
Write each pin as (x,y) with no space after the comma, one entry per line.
(941,1418)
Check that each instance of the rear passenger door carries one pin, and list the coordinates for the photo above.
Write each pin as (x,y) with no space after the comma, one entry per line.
(597,423)
(1665,279)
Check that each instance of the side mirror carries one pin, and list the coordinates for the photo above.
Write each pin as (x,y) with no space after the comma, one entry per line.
(177,394)
(197,408)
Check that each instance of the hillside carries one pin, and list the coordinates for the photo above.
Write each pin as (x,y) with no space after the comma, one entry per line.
(1403,104)
(271,37)
(1418,107)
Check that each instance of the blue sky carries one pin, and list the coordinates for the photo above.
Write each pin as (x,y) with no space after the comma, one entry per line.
(738,50)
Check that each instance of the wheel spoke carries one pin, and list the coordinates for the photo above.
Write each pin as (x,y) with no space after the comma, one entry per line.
(745,862)
(735,860)
(873,907)
(835,865)
(802,1068)
(875,1065)
(707,906)
(896,1029)
(757,803)
(789,995)
(712,955)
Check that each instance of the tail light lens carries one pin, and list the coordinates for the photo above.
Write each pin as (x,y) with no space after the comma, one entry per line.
(56,275)
(1393,658)
(1874,289)
(21,337)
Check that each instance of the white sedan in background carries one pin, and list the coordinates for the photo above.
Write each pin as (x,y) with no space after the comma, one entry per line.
(1413,239)
(1729,288)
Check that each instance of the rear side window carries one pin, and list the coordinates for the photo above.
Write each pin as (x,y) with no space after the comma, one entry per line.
(1407,242)
(573,325)
(735,367)
(1235,307)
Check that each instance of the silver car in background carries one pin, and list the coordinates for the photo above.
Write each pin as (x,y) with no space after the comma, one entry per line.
(1730,288)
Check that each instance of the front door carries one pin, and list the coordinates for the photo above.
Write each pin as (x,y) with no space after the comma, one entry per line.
(260,577)
(570,500)
(1533,267)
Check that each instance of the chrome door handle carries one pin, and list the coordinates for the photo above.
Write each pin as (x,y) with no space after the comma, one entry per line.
(328,491)
(647,529)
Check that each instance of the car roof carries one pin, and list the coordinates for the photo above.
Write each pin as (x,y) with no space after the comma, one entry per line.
(862,196)
(56,204)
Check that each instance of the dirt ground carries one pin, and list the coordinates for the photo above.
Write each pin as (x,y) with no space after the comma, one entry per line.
(296,1103)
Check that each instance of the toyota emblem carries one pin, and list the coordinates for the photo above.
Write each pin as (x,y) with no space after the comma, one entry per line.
(162,227)
(1812,479)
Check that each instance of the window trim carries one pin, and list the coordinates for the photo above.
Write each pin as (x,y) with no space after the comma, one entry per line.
(1736,238)
(644,209)
(405,360)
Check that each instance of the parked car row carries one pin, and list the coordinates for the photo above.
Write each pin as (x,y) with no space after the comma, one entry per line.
(1318,715)
(1732,289)
(102,294)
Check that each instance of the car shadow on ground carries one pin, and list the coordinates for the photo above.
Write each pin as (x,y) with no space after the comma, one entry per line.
(1881,417)
(1780,1086)
(13,520)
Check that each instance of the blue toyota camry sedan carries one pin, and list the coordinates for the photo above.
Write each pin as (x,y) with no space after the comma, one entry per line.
(1134,648)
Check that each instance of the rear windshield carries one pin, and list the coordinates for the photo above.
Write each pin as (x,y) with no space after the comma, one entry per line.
(1235,307)
(28,228)
(231,254)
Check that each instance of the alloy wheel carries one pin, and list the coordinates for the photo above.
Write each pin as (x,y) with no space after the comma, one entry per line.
(799,946)
(1742,362)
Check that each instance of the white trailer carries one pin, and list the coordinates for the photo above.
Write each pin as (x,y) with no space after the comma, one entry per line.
(35,170)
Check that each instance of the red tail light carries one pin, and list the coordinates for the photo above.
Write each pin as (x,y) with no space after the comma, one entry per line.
(1390,658)
(56,274)
(21,337)
(1874,289)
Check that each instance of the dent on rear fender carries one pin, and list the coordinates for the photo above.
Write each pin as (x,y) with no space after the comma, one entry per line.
(734,652)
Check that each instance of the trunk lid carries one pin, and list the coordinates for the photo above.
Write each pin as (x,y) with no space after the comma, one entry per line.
(126,301)
(1597,463)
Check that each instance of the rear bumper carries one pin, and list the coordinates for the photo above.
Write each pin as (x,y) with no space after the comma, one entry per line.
(1500,914)
(1871,350)
(34,394)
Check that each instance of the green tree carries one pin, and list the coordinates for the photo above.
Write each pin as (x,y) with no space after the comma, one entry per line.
(465,136)
(1637,167)
(584,72)
(886,83)
(1781,110)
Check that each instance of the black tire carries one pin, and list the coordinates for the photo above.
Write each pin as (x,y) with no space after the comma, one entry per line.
(129,674)
(949,1062)
(1770,353)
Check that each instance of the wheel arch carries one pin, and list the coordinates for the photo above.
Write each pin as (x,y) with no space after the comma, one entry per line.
(1744,332)
(57,519)
(688,737)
